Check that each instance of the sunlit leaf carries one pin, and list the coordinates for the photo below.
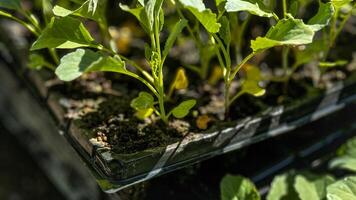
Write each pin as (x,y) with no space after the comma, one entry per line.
(322,18)
(285,32)
(64,33)
(254,7)
(314,189)
(82,61)
(343,189)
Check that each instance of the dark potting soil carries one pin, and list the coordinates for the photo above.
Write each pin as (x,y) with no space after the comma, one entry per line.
(113,123)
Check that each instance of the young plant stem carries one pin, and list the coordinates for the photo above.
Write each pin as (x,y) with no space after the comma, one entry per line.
(285,12)
(23,23)
(228,80)
(240,36)
(335,31)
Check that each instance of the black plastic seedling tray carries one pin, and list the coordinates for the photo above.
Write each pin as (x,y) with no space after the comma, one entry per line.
(117,171)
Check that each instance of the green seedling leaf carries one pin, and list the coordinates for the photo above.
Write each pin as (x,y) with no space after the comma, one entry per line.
(178,28)
(10,4)
(93,4)
(279,188)
(141,16)
(64,33)
(183,108)
(282,187)
(338,63)
(197,4)
(285,32)
(347,159)
(312,189)
(143,102)
(294,7)
(85,11)
(343,189)
(237,187)
(254,7)
(74,64)
(322,18)
(37,62)
(225,32)
(340,3)
(220,4)
(205,16)
(47,10)
(152,8)
(251,84)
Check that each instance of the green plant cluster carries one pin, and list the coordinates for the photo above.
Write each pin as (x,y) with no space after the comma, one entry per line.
(218,32)
(301,185)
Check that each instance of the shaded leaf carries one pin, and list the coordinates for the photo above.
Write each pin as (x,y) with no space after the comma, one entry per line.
(183,108)
(225,32)
(143,102)
(238,188)
(140,14)
(64,33)
(179,26)
(347,159)
(10,4)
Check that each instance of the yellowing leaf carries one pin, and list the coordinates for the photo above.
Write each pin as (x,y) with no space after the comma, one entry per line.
(202,122)
(252,87)
(216,75)
(143,114)
(181,80)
